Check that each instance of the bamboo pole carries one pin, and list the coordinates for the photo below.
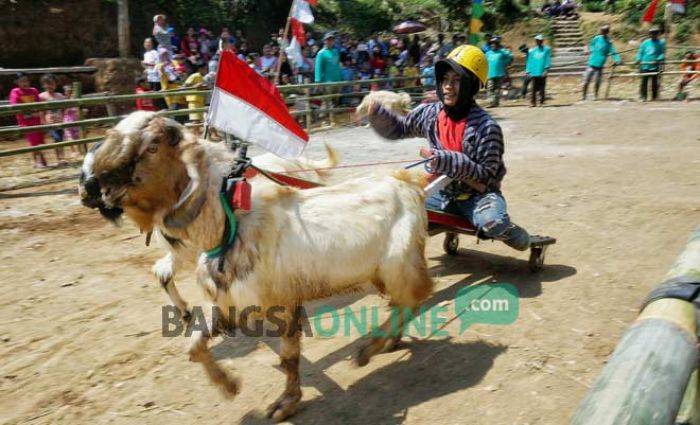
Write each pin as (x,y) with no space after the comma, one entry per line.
(278,65)
(645,380)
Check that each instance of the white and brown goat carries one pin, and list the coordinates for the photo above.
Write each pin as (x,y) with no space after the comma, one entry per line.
(293,246)
(179,250)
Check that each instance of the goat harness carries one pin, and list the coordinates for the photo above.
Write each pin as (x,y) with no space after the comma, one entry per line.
(234,195)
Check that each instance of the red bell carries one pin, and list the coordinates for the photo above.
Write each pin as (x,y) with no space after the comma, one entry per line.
(240,199)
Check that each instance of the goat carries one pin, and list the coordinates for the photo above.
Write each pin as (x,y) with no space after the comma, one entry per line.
(399,103)
(179,251)
(292,246)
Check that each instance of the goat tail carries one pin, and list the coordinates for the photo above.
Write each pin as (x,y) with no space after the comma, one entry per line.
(415,178)
(321,166)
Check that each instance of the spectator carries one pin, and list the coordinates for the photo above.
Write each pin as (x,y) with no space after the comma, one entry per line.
(600,48)
(650,56)
(196,81)
(189,46)
(487,44)
(205,50)
(25,93)
(498,59)
(174,40)
(72,114)
(286,70)
(225,39)
(169,80)
(411,70)
(268,62)
(52,116)
(427,74)
(526,77)
(414,50)
(690,63)
(327,67)
(377,62)
(568,8)
(144,104)
(149,62)
(539,59)
(160,32)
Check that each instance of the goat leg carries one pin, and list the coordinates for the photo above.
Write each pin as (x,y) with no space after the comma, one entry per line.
(199,352)
(390,333)
(290,350)
(164,269)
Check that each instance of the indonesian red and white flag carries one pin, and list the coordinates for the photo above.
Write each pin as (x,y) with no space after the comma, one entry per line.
(298,31)
(301,11)
(650,12)
(247,105)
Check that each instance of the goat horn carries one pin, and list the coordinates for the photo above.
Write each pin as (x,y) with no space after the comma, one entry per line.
(190,203)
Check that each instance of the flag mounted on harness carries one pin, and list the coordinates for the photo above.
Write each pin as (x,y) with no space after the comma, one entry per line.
(251,108)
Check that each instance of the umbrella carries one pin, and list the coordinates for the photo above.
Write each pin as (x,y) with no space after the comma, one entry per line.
(409,27)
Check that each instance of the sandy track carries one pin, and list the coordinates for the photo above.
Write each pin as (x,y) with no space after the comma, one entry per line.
(616,183)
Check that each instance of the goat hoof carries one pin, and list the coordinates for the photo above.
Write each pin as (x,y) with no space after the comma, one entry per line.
(284,407)
(363,356)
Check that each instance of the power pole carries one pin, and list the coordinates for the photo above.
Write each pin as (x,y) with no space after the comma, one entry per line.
(123,32)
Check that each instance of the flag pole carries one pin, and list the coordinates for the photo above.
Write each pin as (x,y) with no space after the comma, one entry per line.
(278,65)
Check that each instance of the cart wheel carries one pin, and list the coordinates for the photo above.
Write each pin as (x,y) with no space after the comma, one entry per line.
(451,243)
(536,259)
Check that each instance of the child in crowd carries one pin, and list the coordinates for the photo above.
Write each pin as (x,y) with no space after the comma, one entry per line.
(53,116)
(411,70)
(196,82)
(144,104)
(72,114)
(25,93)
(169,80)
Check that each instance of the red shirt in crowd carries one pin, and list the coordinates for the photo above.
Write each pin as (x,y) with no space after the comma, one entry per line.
(144,104)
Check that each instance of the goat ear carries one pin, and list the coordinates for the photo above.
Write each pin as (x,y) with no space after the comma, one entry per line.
(161,129)
(173,132)
(194,196)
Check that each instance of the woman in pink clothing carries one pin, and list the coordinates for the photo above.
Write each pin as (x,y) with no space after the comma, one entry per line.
(25,93)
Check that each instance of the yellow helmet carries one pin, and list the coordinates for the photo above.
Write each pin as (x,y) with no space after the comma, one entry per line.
(472,59)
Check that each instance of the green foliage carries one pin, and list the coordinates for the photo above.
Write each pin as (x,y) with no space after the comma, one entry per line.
(507,11)
(633,10)
(683,32)
(594,6)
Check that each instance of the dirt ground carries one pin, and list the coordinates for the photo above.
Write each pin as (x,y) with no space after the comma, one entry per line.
(617,183)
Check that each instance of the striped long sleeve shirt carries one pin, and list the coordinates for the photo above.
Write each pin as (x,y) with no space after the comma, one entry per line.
(481,159)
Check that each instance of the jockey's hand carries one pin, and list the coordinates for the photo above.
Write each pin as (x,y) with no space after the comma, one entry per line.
(428,153)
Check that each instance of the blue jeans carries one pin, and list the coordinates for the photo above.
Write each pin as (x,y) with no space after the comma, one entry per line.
(486,212)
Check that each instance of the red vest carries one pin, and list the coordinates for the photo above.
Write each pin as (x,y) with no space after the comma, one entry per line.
(450,132)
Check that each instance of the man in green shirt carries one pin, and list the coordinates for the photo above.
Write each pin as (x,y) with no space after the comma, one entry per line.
(328,61)
(600,48)
(539,60)
(498,59)
(650,56)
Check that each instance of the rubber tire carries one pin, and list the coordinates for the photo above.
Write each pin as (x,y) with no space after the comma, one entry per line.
(536,261)
(451,243)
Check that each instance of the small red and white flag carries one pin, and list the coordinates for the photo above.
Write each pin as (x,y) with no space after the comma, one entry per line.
(650,12)
(247,105)
(301,11)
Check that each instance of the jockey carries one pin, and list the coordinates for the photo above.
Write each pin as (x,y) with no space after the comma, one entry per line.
(466,144)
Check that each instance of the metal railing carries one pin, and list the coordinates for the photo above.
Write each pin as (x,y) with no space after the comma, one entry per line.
(303,93)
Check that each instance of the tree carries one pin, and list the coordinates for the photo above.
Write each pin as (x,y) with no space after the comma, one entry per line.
(123,30)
